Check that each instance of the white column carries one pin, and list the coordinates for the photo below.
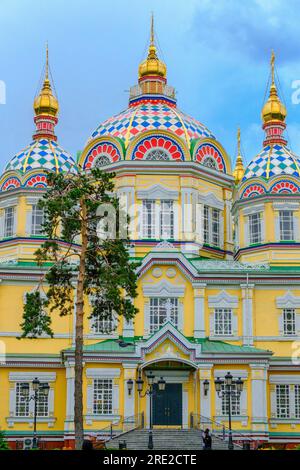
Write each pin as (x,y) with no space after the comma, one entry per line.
(205,400)
(128,328)
(129,400)
(199,311)
(247,302)
(70,377)
(259,397)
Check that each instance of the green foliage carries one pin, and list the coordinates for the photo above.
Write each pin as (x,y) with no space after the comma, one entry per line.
(3,441)
(70,207)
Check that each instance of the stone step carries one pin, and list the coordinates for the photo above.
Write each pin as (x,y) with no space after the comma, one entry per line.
(166,439)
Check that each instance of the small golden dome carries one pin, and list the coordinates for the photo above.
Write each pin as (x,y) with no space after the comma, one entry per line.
(152,65)
(46,102)
(274,109)
(239,169)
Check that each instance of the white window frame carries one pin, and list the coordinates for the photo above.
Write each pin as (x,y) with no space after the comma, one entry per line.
(235,402)
(149,219)
(286,217)
(288,301)
(37,228)
(160,314)
(212,226)
(106,374)
(254,221)
(9,215)
(290,383)
(289,324)
(167,219)
(102,396)
(223,324)
(223,300)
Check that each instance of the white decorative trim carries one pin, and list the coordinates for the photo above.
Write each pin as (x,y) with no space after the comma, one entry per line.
(286,206)
(159,192)
(223,300)
(29,376)
(96,373)
(284,379)
(288,300)
(253,209)
(163,289)
(211,200)
(32,200)
(9,202)
(235,373)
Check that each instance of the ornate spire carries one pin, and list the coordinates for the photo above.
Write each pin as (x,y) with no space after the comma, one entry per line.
(46,107)
(238,172)
(274,112)
(152,66)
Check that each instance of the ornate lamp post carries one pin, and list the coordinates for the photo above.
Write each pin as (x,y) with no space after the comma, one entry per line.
(149,391)
(39,390)
(229,388)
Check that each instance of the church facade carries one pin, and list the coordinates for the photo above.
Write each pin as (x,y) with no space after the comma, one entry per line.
(219,279)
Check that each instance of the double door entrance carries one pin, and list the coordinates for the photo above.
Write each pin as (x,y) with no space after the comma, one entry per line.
(167,405)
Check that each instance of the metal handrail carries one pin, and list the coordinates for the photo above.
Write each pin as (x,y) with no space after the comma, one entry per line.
(198,420)
(120,426)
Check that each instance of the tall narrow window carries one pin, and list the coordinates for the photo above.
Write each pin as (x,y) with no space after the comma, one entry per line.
(9,219)
(289,321)
(163,310)
(22,401)
(166,220)
(149,219)
(297,401)
(42,404)
(103,326)
(211,226)
(223,321)
(255,228)
(37,221)
(282,401)
(103,397)
(286,222)
(235,402)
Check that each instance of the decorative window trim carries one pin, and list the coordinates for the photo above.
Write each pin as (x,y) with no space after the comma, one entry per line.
(223,300)
(286,206)
(284,379)
(211,200)
(163,289)
(254,209)
(158,191)
(13,377)
(288,300)
(10,202)
(106,373)
(95,373)
(32,200)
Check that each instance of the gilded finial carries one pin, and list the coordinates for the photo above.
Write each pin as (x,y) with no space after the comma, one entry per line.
(152,30)
(238,171)
(47,62)
(273,110)
(273,67)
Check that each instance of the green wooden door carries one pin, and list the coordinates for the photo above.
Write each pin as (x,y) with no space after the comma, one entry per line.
(167,405)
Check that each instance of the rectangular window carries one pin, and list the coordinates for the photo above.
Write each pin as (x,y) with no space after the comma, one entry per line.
(286,222)
(22,401)
(102,397)
(163,310)
(103,326)
(42,409)
(297,401)
(166,220)
(254,228)
(235,402)
(211,226)
(223,321)
(215,227)
(149,219)
(37,221)
(9,219)
(282,401)
(289,321)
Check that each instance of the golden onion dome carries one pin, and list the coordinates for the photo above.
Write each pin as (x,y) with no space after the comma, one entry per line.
(152,65)
(274,109)
(46,102)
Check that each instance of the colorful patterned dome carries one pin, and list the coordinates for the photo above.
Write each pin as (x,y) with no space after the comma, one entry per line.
(42,154)
(273,160)
(152,116)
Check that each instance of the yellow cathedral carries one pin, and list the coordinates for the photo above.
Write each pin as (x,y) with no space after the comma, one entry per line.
(219,276)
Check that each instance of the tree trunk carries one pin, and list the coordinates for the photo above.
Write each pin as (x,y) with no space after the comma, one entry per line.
(78,393)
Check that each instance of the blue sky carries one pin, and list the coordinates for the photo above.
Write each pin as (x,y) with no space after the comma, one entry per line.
(217,53)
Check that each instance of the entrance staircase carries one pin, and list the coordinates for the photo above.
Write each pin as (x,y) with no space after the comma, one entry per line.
(166,439)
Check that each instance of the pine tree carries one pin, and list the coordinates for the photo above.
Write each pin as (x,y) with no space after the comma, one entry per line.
(3,441)
(77,263)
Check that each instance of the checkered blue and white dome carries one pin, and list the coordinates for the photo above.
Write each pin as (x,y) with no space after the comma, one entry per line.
(272,161)
(152,116)
(42,154)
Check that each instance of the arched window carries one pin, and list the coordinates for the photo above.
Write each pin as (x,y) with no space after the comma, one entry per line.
(210,163)
(102,160)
